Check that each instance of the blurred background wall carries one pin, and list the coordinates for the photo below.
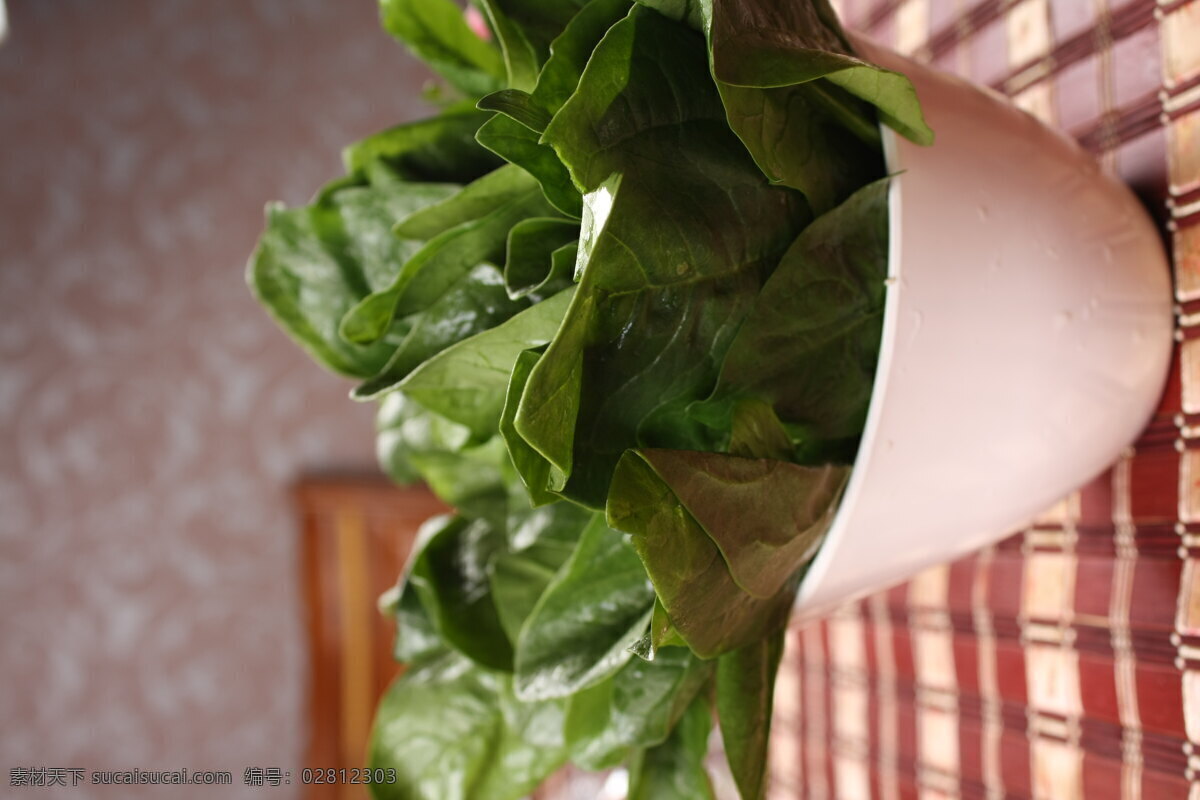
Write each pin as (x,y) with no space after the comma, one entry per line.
(151,416)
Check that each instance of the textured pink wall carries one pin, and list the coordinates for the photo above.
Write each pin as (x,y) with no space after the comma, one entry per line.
(150,414)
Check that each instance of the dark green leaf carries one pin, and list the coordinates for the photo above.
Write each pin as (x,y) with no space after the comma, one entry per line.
(559,77)
(657,305)
(437,34)
(767,517)
(636,707)
(442,728)
(674,770)
(540,257)
(413,443)
(475,200)
(440,149)
(416,638)
(764,44)
(661,633)
(450,576)
(475,304)
(521,58)
(518,105)
(581,628)
(708,609)
(307,288)
(467,382)
(540,542)
(531,466)
(745,697)
(439,265)
(368,213)
(514,142)
(811,343)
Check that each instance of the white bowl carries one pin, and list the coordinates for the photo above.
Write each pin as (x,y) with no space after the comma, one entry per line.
(1027,336)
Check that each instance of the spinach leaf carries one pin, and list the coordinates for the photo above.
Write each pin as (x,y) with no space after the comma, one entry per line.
(436,33)
(745,697)
(477,199)
(442,728)
(661,633)
(476,303)
(439,149)
(413,442)
(516,137)
(541,256)
(521,59)
(645,332)
(635,708)
(707,607)
(531,466)
(450,576)
(296,274)
(467,381)
(811,343)
(438,266)
(417,639)
(367,215)
(674,770)
(767,517)
(540,541)
(579,633)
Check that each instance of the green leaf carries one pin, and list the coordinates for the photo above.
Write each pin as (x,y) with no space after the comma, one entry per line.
(708,609)
(521,58)
(417,640)
(767,517)
(745,697)
(471,202)
(811,343)
(450,575)
(674,770)
(402,427)
(440,149)
(516,143)
(437,34)
(467,381)
(800,101)
(443,730)
(516,138)
(307,288)
(756,432)
(368,213)
(439,265)
(541,256)
(542,21)
(657,305)
(763,44)
(581,628)
(413,443)
(540,542)
(475,304)
(661,633)
(635,708)
(531,466)
(518,105)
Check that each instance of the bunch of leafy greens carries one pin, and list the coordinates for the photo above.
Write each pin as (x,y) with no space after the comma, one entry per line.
(621,305)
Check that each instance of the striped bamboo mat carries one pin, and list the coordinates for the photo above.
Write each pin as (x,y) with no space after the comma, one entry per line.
(1065,661)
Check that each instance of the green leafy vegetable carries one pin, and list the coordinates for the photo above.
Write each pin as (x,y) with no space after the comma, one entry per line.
(581,629)
(745,693)
(442,729)
(674,770)
(635,264)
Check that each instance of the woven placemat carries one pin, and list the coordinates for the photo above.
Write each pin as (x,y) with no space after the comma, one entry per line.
(1065,661)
